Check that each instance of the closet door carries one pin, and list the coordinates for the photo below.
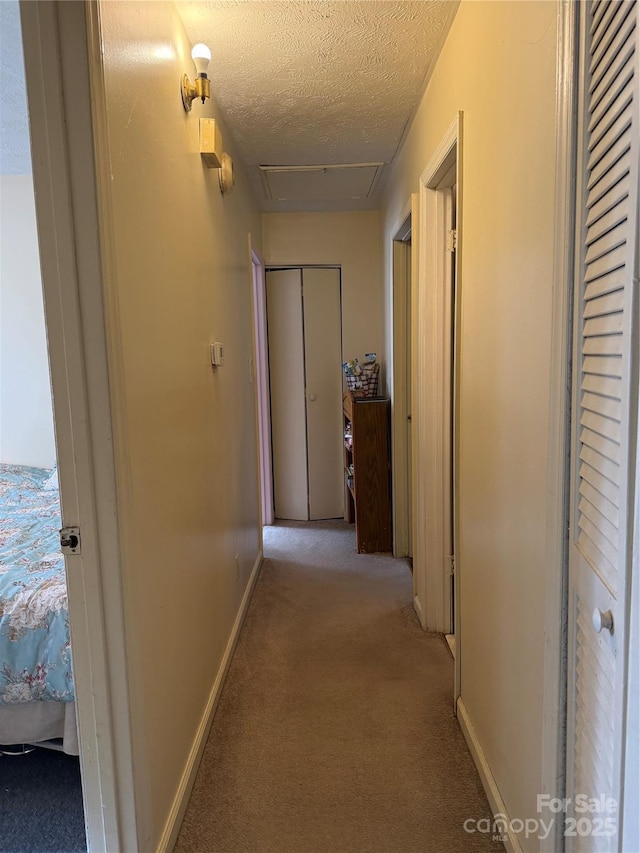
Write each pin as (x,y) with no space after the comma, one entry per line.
(305,356)
(288,409)
(323,357)
(604,428)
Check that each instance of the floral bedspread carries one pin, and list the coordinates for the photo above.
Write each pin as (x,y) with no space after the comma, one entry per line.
(35,649)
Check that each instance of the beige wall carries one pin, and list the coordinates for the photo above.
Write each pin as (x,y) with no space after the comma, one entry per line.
(351,240)
(26,416)
(185,435)
(498,66)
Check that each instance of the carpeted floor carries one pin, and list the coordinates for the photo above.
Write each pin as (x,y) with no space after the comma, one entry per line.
(41,803)
(335,732)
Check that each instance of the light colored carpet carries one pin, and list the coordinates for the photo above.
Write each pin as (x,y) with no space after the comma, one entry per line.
(335,732)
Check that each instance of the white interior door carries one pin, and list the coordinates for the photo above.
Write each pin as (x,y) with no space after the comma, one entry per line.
(62,52)
(323,358)
(604,428)
(287,383)
(305,356)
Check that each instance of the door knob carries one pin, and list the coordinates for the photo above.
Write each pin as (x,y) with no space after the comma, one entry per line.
(312,397)
(602,620)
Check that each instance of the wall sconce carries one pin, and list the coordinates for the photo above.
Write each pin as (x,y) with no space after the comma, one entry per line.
(201,88)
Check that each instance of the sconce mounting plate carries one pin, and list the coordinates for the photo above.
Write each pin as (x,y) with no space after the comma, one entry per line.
(187,90)
(226,177)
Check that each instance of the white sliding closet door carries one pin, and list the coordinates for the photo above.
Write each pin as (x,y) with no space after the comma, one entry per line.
(288,410)
(323,348)
(604,427)
(305,354)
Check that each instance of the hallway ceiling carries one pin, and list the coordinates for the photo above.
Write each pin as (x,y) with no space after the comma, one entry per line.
(318,83)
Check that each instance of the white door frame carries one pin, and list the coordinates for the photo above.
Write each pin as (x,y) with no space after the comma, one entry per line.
(401,269)
(263,399)
(434,400)
(630,823)
(554,706)
(55,36)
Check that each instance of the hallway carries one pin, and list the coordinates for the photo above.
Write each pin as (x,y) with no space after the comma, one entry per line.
(335,731)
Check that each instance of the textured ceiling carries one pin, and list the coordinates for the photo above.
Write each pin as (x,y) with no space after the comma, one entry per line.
(315,82)
(318,82)
(15,153)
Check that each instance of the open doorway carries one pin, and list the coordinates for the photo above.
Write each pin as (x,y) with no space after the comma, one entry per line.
(41,801)
(404,269)
(436,438)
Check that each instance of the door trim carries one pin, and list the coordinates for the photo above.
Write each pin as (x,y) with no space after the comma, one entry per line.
(260,374)
(434,399)
(400,271)
(62,92)
(554,709)
(630,818)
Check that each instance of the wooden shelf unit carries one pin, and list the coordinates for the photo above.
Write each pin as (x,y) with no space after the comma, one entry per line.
(368,500)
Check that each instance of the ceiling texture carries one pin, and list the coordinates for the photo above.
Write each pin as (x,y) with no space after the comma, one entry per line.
(318,83)
(326,84)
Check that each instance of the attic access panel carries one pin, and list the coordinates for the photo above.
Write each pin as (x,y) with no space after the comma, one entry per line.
(320,183)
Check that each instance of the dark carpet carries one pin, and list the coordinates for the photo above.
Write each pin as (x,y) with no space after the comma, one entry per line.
(41,803)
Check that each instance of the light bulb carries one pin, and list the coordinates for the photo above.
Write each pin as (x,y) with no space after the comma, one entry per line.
(201,56)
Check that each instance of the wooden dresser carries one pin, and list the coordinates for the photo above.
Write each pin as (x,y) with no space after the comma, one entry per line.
(368,471)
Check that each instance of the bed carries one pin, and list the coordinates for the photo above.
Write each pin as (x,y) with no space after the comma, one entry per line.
(37,699)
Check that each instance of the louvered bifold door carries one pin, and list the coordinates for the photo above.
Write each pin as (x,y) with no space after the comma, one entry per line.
(605,374)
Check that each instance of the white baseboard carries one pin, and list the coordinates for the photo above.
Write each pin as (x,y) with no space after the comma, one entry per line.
(451,642)
(418,608)
(174,821)
(512,844)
